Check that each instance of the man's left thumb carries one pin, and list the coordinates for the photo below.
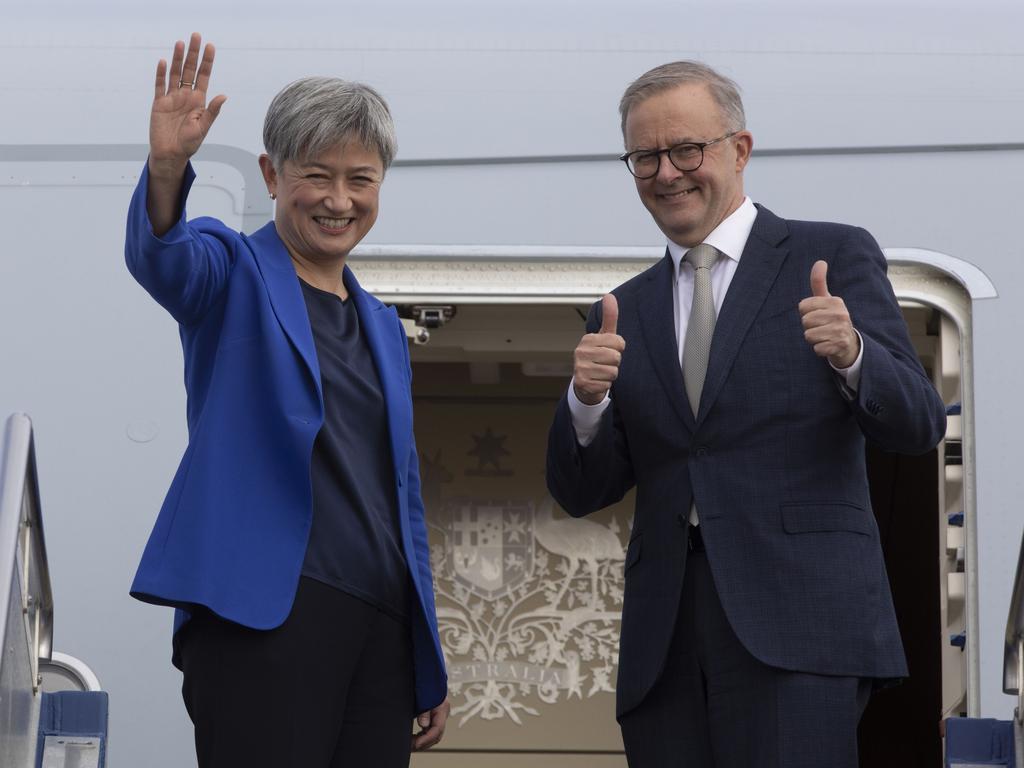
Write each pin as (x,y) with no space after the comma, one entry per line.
(819,284)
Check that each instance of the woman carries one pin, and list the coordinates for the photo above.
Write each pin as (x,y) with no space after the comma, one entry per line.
(292,539)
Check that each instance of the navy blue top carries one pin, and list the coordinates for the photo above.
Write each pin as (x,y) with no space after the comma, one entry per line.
(354,544)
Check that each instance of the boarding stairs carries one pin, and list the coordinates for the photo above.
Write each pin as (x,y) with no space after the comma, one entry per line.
(53,713)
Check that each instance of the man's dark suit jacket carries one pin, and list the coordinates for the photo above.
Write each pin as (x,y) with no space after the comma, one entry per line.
(774,459)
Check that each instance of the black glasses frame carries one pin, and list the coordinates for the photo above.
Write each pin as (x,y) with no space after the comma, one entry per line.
(701,145)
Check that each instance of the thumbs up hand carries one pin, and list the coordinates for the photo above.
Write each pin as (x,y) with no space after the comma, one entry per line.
(598,355)
(826,321)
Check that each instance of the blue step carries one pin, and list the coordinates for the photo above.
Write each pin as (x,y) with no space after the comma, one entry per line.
(979,742)
(73,729)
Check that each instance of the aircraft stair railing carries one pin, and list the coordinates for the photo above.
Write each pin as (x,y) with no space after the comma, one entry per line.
(26,621)
(52,712)
(975,742)
(1013,656)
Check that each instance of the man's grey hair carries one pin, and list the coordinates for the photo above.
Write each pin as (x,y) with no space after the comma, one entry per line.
(667,76)
(314,114)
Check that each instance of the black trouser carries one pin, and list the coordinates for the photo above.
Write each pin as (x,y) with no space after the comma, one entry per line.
(332,687)
(716,706)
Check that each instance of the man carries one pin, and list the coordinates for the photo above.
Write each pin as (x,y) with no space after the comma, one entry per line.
(734,384)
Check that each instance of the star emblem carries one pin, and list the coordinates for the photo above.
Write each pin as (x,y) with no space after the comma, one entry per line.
(488,449)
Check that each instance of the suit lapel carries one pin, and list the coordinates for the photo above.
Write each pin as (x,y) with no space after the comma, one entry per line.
(286,295)
(657,312)
(290,307)
(377,323)
(759,266)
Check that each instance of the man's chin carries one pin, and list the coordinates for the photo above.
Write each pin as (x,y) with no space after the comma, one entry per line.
(686,236)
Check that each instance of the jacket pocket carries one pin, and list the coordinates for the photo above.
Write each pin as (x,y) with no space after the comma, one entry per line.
(786,320)
(821,517)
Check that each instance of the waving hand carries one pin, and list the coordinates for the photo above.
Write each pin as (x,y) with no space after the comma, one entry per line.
(181,118)
(178,124)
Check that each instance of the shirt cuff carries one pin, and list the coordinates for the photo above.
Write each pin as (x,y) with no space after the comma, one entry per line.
(586,419)
(851,376)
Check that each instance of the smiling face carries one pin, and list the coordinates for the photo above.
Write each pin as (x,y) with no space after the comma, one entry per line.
(688,206)
(325,204)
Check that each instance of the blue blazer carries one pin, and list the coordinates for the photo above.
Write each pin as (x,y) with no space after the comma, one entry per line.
(232,532)
(774,459)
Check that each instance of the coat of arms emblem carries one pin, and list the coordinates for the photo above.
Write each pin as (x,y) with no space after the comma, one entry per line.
(528,605)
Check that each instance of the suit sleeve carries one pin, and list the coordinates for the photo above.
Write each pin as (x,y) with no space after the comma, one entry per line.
(896,404)
(585,479)
(186,269)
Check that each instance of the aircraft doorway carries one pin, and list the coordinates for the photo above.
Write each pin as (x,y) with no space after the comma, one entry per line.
(918,503)
(529,602)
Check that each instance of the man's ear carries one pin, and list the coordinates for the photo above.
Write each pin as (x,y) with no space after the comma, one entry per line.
(744,142)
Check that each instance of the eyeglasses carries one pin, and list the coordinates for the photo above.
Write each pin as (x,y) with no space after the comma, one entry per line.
(686,157)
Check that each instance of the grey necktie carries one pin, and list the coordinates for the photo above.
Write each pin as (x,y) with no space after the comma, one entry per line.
(701,326)
(699,330)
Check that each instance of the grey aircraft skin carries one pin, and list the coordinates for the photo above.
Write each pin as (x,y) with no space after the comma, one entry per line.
(906,118)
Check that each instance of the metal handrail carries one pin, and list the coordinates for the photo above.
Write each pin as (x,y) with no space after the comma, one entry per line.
(23,559)
(1013,653)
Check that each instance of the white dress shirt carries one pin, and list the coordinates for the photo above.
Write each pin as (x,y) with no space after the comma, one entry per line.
(730,238)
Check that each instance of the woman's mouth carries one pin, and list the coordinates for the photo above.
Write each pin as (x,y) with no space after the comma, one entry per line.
(332,224)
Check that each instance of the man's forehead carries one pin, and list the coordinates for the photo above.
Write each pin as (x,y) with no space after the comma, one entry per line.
(685,112)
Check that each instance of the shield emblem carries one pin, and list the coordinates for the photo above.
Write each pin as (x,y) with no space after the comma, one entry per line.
(490,545)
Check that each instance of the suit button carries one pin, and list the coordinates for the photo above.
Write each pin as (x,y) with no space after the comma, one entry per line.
(681,519)
(701,452)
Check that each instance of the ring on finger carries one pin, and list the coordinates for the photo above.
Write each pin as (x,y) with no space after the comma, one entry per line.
(182,84)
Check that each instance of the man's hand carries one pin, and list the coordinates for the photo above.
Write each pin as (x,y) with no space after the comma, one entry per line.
(826,321)
(598,355)
(431,726)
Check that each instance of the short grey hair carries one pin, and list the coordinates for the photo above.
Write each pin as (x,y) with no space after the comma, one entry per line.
(668,76)
(311,115)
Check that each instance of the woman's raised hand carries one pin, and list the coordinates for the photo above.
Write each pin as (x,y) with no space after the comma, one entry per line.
(181,118)
(179,122)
